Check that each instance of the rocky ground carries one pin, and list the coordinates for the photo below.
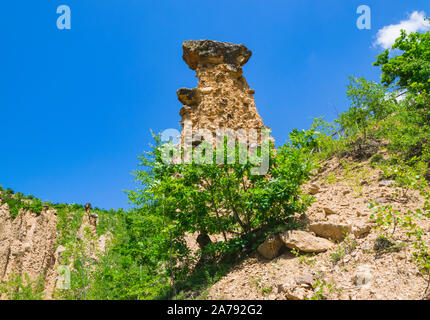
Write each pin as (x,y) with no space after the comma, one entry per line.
(335,267)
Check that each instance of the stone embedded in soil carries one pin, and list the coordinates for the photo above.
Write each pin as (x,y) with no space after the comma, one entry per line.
(382,200)
(304,241)
(314,189)
(329,211)
(305,279)
(361,230)
(297,293)
(393,275)
(269,249)
(333,231)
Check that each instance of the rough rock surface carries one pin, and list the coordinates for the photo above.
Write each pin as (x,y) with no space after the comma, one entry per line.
(222,98)
(197,52)
(304,241)
(27,246)
(5,238)
(333,231)
(269,249)
(314,189)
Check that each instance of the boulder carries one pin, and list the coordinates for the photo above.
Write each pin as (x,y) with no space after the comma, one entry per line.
(269,249)
(330,230)
(304,241)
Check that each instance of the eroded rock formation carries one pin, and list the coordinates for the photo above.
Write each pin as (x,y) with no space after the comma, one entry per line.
(222,98)
(27,246)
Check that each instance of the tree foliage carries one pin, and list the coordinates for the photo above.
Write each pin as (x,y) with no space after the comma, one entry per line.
(409,70)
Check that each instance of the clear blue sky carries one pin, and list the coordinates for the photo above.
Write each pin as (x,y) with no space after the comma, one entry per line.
(77,105)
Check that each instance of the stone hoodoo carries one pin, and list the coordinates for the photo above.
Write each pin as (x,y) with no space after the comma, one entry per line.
(222,99)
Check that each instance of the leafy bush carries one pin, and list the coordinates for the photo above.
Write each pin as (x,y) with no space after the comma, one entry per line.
(19,287)
(228,198)
(135,265)
(369,101)
(16,203)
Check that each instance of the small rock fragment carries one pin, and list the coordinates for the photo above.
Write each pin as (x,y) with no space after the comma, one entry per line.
(329,211)
(382,200)
(360,231)
(305,279)
(314,189)
(298,293)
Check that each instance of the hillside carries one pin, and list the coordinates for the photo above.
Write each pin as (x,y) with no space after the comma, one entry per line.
(359,265)
(339,211)
(36,246)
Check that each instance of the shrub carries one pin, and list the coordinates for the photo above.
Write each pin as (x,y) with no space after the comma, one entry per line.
(22,288)
(228,198)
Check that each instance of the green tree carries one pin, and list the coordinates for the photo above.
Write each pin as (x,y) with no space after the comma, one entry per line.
(228,198)
(409,70)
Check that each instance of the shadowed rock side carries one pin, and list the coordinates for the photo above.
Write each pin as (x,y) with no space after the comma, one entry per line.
(222,99)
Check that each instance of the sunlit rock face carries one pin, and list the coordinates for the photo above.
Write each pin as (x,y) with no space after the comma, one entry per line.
(27,247)
(222,98)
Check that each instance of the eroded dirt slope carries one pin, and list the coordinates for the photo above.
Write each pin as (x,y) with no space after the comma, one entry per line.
(28,247)
(353,268)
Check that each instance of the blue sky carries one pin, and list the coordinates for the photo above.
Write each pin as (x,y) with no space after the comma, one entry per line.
(77,105)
